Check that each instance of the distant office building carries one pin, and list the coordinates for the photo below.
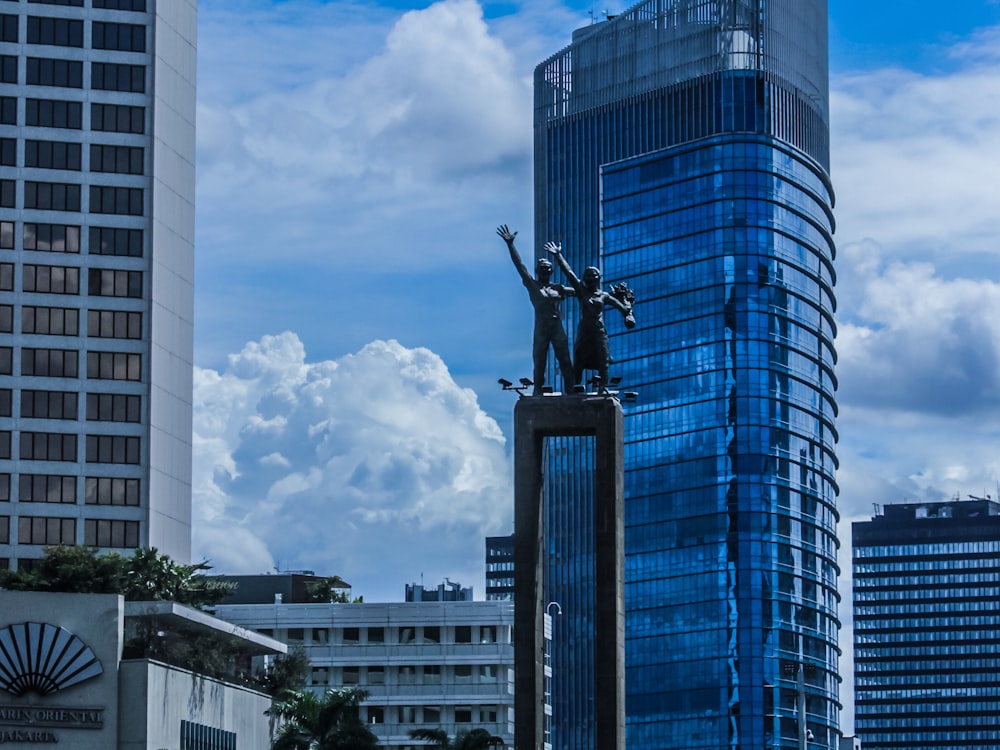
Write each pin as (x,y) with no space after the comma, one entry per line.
(927,626)
(499,568)
(442,664)
(97,152)
(449,591)
(290,588)
(683,147)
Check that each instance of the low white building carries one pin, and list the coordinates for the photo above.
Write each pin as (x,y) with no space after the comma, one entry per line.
(64,681)
(446,665)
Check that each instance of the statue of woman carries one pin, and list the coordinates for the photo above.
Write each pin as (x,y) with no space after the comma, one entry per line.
(590,351)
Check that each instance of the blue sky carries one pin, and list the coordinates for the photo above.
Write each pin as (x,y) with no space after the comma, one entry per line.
(354,307)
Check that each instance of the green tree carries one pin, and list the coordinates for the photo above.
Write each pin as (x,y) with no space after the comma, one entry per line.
(146,575)
(331,722)
(287,673)
(475,739)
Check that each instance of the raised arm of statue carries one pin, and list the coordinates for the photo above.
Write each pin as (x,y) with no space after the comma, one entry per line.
(555,250)
(508,236)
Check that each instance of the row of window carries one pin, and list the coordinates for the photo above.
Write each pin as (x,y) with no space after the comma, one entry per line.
(47,71)
(132,5)
(428,674)
(67,155)
(59,446)
(68,32)
(66,196)
(101,407)
(433,715)
(68,115)
(65,321)
(102,282)
(63,363)
(62,531)
(379,635)
(65,238)
(53,488)
(896,551)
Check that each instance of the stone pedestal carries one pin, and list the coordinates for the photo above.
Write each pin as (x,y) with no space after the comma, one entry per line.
(535,419)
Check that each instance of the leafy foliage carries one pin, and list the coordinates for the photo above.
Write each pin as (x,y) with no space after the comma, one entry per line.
(476,739)
(328,723)
(146,575)
(286,674)
(330,590)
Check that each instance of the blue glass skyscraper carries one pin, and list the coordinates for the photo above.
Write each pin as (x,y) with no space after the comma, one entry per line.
(683,146)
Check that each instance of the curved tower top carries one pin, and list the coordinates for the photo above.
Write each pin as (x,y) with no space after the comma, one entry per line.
(658,44)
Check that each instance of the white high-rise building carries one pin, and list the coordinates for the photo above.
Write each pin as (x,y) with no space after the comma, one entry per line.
(97,152)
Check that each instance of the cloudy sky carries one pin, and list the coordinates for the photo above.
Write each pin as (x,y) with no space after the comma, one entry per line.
(354,308)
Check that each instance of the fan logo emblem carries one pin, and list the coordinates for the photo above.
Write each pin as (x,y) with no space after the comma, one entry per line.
(42,658)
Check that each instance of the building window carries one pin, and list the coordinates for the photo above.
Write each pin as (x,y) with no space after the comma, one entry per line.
(376,714)
(5,440)
(117,159)
(74,3)
(44,71)
(115,241)
(7,277)
(488,673)
(51,279)
(432,674)
(488,634)
(200,736)
(321,636)
(51,238)
(114,324)
(47,446)
(352,635)
(118,77)
(4,488)
(432,634)
(51,321)
(113,407)
(319,676)
(53,113)
(8,109)
(117,118)
(5,530)
(112,449)
(8,152)
(7,360)
(6,235)
(113,366)
(463,674)
(407,714)
(8,69)
(111,491)
(48,404)
(463,714)
(52,196)
(53,363)
(376,635)
(108,282)
(136,5)
(350,675)
(407,635)
(6,402)
(39,530)
(115,200)
(59,32)
(432,714)
(376,675)
(8,28)
(463,634)
(407,674)
(52,155)
(100,532)
(45,488)
(125,37)
(8,194)
(6,319)
(295,635)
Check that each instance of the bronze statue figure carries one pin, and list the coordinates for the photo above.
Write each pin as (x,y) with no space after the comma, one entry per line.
(546,298)
(590,350)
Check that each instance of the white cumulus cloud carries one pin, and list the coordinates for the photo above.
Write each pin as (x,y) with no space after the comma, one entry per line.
(376,467)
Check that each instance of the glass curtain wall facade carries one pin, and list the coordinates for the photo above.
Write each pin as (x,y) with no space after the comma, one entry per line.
(97,123)
(683,147)
(926,618)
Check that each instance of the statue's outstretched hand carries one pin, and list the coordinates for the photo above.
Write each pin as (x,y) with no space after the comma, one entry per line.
(505,233)
(553,248)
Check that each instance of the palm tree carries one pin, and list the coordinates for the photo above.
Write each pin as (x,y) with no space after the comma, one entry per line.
(327,723)
(477,739)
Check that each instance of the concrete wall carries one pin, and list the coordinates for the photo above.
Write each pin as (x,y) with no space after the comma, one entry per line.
(155,698)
